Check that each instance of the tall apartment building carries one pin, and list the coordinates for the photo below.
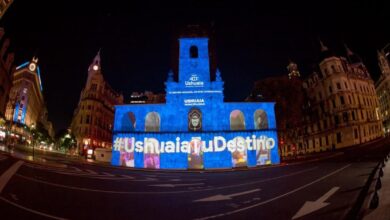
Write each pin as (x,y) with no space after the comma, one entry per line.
(26,103)
(383,89)
(6,62)
(342,107)
(94,116)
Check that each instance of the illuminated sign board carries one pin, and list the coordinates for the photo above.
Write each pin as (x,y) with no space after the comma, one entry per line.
(200,150)
(194,81)
(193,102)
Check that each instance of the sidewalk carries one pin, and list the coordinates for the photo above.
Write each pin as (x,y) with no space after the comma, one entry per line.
(382,212)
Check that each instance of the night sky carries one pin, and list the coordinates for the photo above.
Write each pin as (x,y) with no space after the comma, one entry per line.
(253,41)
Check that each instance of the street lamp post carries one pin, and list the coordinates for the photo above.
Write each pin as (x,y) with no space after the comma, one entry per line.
(33,141)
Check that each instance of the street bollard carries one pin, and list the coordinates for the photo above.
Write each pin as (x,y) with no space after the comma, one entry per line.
(381,172)
(378,184)
(374,201)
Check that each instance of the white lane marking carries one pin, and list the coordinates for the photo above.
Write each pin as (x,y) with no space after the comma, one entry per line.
(277,197)
(108,174)
(175,185)
(127,176)
(77,169)
(30,210)
(311,206)
(148,179)
(220,197)
(6,176)
(157,192)
(91,172)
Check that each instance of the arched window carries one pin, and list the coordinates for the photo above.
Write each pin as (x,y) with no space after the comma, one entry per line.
(260,119)
(237,120)
(194,120)
(193,52)
(152,122)
(128,122)
(333,68)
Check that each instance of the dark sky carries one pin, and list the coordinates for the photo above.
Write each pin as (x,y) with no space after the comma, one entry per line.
(253,40)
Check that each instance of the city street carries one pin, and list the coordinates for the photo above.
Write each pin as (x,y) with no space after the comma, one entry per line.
(61,189)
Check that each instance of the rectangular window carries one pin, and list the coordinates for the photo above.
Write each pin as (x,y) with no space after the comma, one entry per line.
(330,89)
(346,85)
(356,133)
(338,137)
(345,116)
(87,119)
(327,140)
(350,100)
(336,119)
(334,103)
(342,100)
(338,86)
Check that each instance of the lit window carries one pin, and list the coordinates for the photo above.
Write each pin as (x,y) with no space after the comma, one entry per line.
(237,120)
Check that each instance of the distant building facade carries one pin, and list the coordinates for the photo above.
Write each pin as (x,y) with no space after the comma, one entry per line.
(342,107)
(335,107)
(6,64)
(289,103)
(383,90)
(93,118)
(26,102)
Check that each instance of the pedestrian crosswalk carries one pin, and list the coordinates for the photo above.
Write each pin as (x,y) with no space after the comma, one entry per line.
(83,172)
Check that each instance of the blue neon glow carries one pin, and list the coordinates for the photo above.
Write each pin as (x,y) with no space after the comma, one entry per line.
(23,65)
(38,73)
(24,114)
(194,109)
(16,112)
(39,77)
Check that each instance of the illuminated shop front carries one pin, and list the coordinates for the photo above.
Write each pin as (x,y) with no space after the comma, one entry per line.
(195,128)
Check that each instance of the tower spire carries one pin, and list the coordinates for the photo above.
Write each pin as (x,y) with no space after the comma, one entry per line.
(323,47)
(383,63)
(349,51)
(95,65)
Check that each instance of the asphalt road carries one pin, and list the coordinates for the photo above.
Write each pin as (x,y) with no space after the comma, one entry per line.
(319,189)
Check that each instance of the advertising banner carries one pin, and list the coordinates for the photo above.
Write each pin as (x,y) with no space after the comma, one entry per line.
(195,150)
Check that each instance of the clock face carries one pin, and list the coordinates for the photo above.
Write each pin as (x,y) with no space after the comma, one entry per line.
(95,67)
(32,66)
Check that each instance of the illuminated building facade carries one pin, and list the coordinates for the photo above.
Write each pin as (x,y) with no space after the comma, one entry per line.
(383,90)
(94,116)
(26,102)
(6,62)
(195,128)
(4,5)
(342,107)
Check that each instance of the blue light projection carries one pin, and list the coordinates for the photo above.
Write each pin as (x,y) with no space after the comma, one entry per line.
(195,128)
(39,78)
